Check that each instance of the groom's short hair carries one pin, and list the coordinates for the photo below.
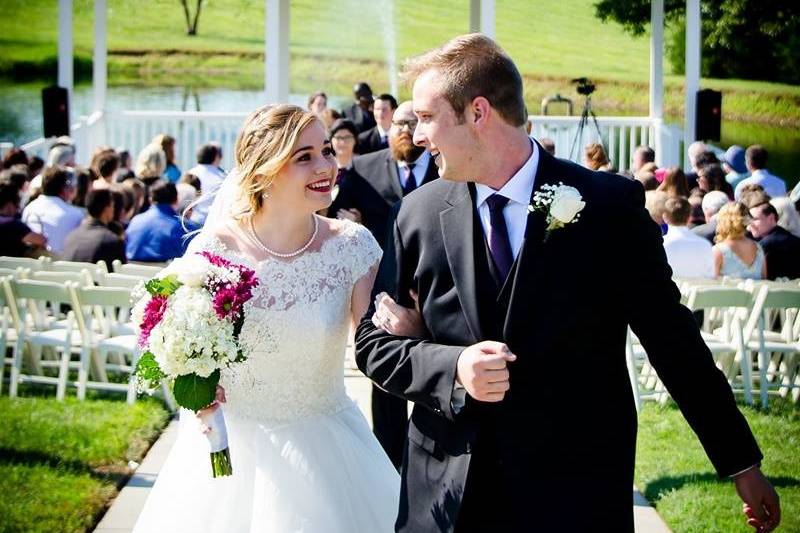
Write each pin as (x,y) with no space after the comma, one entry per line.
(473,65)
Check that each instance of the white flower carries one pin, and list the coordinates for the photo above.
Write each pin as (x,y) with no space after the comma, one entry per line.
(566,204)
(191,270)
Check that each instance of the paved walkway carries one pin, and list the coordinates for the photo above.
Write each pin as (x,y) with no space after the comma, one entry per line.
(122,515)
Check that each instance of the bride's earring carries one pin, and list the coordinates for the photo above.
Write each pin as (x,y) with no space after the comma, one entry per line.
(265,194)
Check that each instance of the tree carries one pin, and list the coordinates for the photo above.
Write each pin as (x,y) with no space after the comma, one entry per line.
(191,23)
(750,39)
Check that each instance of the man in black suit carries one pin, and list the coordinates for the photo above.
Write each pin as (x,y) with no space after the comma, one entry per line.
(93,241)
(377,181)
(377,138)
(516,306)
(781,248)
(360,111)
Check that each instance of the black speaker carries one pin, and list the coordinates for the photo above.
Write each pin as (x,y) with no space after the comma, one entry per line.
(55,106)
(709,115)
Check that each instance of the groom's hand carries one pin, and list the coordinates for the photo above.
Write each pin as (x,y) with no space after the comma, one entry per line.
(761,503)
(482,370)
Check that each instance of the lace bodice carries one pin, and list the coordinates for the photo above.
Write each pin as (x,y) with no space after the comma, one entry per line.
(297,325)
(734,267)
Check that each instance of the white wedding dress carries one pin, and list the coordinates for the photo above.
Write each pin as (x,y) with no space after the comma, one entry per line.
(303,456)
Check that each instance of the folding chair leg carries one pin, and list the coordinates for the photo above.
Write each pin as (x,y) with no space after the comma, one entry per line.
(763,359)
(83,372)
(63,374)
(746,364)
(16,368)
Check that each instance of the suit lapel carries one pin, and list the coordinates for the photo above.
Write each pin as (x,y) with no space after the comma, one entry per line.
(528,270)
(457,223)
(394,179)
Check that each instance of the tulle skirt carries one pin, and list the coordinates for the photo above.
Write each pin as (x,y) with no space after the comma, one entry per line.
(326,473)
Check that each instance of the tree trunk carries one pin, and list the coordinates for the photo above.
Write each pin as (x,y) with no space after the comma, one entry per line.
(196,17)
(188,18)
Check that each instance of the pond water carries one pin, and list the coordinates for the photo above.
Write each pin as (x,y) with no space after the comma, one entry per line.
(21,115)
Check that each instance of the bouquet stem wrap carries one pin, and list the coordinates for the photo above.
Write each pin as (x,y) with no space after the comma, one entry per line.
(217,436)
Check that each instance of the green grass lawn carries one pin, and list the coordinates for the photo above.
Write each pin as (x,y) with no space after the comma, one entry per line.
(673,473)
(336,43)
(61,463)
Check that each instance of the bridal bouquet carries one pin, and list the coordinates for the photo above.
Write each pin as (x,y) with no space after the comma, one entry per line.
(189,321)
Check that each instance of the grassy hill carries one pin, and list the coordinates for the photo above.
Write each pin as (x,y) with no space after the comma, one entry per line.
(337,42)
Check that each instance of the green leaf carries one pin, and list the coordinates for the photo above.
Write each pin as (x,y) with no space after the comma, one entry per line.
(194,392)
(148,372)
(162,287)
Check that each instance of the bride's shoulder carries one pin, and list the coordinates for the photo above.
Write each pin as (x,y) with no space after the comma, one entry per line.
(349,232)
(356,243)
(221,240)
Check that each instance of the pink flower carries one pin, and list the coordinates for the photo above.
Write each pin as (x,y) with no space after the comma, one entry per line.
(226,302)
(216,260)
(153,313)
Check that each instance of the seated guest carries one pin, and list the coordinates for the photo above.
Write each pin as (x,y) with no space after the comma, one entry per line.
(157,235)
(16,238)
(595,158)
(377,137)
(549,145)
(125,160)
(736,256)
(712,203)
(697,217)
(647,176)
(186,196)
(674,183)
(52,213)
(756,161)
(84,181)
(788,217)
(19,177)
(711,177)
(317,103)
(192,180)
(106,166)
(139,191)
(151,164)
(209,158)
(754,195)
(642,156)
(124,201)
(654,203)
(688,255)
(172,173)
(15,156)
(61,154)
(93,241)
(781,248)
(360,111)
(734,165)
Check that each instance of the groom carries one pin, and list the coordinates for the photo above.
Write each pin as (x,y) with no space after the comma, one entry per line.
(521,392)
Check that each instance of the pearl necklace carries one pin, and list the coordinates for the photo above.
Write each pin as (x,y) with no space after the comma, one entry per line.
(297,252)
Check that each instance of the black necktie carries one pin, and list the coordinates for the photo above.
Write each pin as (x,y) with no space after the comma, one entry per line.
(411,182)
(499,245)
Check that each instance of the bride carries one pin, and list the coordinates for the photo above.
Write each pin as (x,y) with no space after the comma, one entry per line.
(304,458)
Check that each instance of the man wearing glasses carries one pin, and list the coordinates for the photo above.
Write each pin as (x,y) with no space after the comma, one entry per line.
(378,181)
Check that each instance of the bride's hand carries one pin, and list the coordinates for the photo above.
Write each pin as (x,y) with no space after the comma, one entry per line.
(213,406)
(396,319)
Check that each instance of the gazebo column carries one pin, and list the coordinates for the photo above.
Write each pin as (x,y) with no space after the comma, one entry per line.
(276,51)
(65,50)
(657,76)
(692,68)
(481,17)
(99,70)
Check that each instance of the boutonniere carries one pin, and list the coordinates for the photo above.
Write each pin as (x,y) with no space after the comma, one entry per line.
(562,204)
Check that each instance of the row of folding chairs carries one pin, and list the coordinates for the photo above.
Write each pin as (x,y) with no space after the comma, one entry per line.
(752,329)
(96,270)
(53,329)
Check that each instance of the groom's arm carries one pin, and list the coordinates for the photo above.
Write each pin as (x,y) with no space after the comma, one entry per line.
(672,340)
(415,369)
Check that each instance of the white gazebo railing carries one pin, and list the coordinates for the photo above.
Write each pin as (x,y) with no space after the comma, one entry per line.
(133,130)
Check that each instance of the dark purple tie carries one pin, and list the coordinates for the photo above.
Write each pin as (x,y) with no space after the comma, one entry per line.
(499,245)
(411,182)
(340,175)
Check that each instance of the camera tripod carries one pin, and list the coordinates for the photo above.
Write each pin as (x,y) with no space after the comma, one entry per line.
(585,114)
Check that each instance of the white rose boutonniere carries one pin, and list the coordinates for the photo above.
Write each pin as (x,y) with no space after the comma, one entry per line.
(562,204)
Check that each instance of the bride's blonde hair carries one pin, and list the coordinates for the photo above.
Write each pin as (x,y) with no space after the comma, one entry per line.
(263,146)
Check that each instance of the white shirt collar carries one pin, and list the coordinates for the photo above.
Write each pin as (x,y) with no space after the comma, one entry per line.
(519,188)
(678,230)
(382,132)
(420,162)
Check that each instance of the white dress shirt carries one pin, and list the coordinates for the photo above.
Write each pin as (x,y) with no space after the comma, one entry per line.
(211,178)
(773,185)
(419,170)
(54,218)
(518,190)
(688,255)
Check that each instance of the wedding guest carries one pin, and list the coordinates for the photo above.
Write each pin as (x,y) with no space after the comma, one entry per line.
(377,137)
(124,201)
(209,158)
(15,156)
(16,237)
(688,255)
(756,160)
(646,175)
(139,191)
(694,153)
(697,217)
(52,213)
(781,248)
(735,255)
(549,145)
(186,195)
(61,154)
(125,160)
(360,111)
(674,183)
(595,158)
(106,166)
(711,177)
(150,164)
(329,116)
(18,176)
(712,203)
(172,173)
(157,235)
(93,241)
(641,156)
(84,178)
(654,204)
(733,163)
(192,180)
(35,166)
(788,217)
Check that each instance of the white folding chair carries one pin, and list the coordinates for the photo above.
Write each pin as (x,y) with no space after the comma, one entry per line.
(37,330)
(25,262)
(145,271)
(81,278)
(120,280)
(94,270)
(9,320)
